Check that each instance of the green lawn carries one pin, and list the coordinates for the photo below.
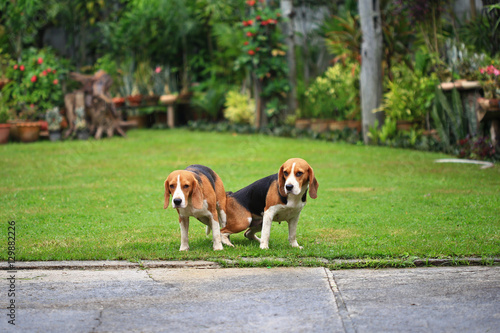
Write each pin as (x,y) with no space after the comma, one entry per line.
(104,199)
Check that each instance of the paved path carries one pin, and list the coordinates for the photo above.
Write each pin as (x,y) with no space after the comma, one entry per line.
(447,299)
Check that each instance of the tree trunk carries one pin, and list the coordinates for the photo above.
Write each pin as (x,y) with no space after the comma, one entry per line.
(371,64)
(288,31)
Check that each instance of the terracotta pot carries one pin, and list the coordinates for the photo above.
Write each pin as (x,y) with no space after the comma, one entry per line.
(118,101)
(404,125)
(28,131)
(134,100)
(337,125)
(354,124)
(168,99)
(320,125)
(302,123)
(4,133)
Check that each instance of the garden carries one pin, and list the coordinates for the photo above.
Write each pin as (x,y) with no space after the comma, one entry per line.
(113,95)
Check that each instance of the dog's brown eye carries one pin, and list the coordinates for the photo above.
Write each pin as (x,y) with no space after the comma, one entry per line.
(298,174)
(186,186)
(171,186)
(285,173)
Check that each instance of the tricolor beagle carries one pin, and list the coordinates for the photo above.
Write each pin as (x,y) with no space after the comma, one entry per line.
(279,197)
(197,191)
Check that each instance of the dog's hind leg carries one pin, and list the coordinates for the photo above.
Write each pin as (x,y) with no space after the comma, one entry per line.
(255,226)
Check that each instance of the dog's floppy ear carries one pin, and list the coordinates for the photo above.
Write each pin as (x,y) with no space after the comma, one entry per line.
(313,184)
(197,196)
(281,182)
(167,194)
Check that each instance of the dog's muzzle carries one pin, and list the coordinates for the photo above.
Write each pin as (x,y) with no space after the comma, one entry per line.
(177,202)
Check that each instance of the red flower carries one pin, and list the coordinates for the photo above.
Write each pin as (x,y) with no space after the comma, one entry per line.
(21,68)
(49,70)
(33,78)
(251,52)
(245,43)
(54,71)
(44,73)
(56,81)
(244,23)
(249,34)
(264,22)
(251,2)
(40,61)
(271,21)
(258,18)
(15,66)
(249,22)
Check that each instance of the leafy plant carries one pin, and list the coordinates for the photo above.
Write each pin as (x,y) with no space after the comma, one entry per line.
(36,83)
(410,94)
(4,115)
(240,108)
(334,94)
(263,53)
(478,148)
(53,118)
(490,81)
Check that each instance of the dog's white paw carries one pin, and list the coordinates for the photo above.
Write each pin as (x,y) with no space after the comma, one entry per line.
(184,248)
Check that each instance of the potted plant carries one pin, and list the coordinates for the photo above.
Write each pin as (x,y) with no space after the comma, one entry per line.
(82,132)
(54,118)
(34,87)
(4,126)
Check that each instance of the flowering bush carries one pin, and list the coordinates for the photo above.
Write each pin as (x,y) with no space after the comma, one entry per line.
(490,81)
(35,85)
(263,53)
(333,95)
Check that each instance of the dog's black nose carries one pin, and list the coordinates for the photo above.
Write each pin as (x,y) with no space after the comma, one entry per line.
(289,187)
(177,202)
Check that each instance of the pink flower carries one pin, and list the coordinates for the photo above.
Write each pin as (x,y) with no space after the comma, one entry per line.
(496,72)
(56,81)
(481,70)
(15,66)
(40,61)
(21,68)
(49,70)
(32,106)
(44,73)
(158,70)
(33,78)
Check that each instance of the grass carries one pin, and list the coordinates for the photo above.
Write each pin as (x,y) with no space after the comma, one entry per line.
(86,200)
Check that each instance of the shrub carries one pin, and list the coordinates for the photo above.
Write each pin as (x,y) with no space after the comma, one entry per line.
(240,108)
(36,83)
(333,95)
(410,94)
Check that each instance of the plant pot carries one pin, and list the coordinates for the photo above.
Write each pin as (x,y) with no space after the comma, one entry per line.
(404,125)
(134,100)
(168,99)
(337,125)
(54,136)
(354,125)
(302,124)
(118,101)
(28,131)
(320,125)
(4,133)
(141,120)
(82,134)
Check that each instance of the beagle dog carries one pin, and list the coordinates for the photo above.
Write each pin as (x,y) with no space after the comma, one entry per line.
(278,197)
(197,191)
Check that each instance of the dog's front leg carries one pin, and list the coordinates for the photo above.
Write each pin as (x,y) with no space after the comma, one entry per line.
(184,224)
(216,237)
(266,228)
(292,232)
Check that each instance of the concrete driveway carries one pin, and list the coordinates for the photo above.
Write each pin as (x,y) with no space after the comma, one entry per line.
(125,299)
